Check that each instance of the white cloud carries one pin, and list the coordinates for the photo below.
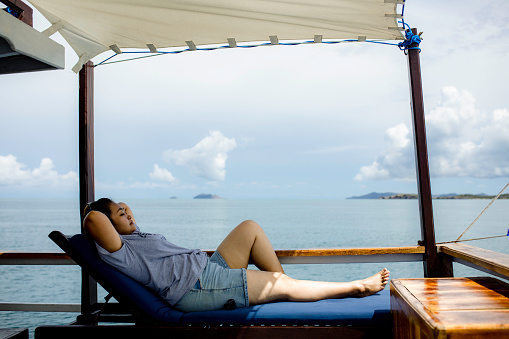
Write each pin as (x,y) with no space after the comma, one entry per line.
(207,158)
(14,173)
(462,140)
(162,174)
(395,161)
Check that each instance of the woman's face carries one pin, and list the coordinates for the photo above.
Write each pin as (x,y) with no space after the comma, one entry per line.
(120,220)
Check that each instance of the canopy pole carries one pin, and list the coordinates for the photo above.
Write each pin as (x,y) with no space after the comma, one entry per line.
(86,166)
(421,154)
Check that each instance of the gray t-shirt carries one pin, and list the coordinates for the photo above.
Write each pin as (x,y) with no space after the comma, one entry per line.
(151,260)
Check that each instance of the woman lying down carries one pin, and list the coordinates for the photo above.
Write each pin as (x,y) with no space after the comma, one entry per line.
(191,281)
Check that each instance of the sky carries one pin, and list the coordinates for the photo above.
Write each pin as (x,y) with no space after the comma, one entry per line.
(278,122)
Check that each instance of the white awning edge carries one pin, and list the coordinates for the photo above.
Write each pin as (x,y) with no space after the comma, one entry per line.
(31,49)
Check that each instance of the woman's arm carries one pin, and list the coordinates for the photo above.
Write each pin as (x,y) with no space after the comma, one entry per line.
(100,228)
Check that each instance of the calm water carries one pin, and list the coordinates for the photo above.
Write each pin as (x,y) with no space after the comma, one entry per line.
(25,224)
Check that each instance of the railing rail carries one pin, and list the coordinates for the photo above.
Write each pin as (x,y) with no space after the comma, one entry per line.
(491,262)
(296,256)
(39,307)
(35,258)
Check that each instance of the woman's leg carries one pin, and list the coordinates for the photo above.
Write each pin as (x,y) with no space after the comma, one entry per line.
(249,241)
(264,287)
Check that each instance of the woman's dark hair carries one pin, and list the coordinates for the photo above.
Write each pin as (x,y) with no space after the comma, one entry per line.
(102,205)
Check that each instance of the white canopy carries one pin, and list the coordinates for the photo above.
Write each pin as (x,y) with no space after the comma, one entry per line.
(95,26)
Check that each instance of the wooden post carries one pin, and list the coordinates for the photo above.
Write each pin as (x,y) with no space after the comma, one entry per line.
(421,153)
(86,165)
(26,12)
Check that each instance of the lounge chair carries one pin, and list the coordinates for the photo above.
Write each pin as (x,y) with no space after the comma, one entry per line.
(151,316)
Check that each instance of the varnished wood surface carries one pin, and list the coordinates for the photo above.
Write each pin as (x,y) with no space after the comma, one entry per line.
(450,308)
(349,251)
(280,253)
(33,255)
(35,258)
(431,265)
(493,261)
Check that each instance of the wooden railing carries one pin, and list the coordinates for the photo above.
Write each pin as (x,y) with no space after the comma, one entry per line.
(298,256)
(306,256)
(301,256)
(35,258)
(491,262)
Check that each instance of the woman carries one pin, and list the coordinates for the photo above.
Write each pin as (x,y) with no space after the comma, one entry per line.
(190,281)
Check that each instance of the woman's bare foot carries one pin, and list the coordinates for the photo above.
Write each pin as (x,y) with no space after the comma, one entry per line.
(373,284)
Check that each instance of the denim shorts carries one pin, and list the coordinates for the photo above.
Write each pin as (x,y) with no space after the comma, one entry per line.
(216,287)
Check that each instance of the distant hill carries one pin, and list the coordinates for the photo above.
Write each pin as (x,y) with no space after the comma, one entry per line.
(388,195)
(374,195)
(207,196)
(473,196)
(447,195)
(401,196)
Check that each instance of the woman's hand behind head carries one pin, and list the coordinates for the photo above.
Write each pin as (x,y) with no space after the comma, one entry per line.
(100,228)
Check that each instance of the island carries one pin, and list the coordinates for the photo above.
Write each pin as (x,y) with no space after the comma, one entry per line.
(401,196)
(207,196)
(375,195)
(472,196)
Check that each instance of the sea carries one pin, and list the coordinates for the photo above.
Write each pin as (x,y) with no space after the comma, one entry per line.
(203,223)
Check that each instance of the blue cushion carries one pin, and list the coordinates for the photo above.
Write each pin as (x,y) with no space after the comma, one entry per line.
(370,311)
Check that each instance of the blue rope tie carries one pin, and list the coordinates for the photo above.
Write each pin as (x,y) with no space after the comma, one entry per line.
(411,38)
(12,12)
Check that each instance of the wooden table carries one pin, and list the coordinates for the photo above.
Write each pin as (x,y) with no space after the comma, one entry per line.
(450,308)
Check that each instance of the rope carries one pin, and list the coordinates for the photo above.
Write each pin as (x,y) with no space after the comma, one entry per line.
(116,62)
(159,53)
(411,38)
(455,241)
(492,201)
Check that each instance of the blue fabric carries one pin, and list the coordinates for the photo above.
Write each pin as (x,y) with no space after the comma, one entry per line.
(369,311)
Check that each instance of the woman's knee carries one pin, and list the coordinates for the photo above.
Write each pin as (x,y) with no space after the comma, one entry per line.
(251,226)
(287,287)
(266,287)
